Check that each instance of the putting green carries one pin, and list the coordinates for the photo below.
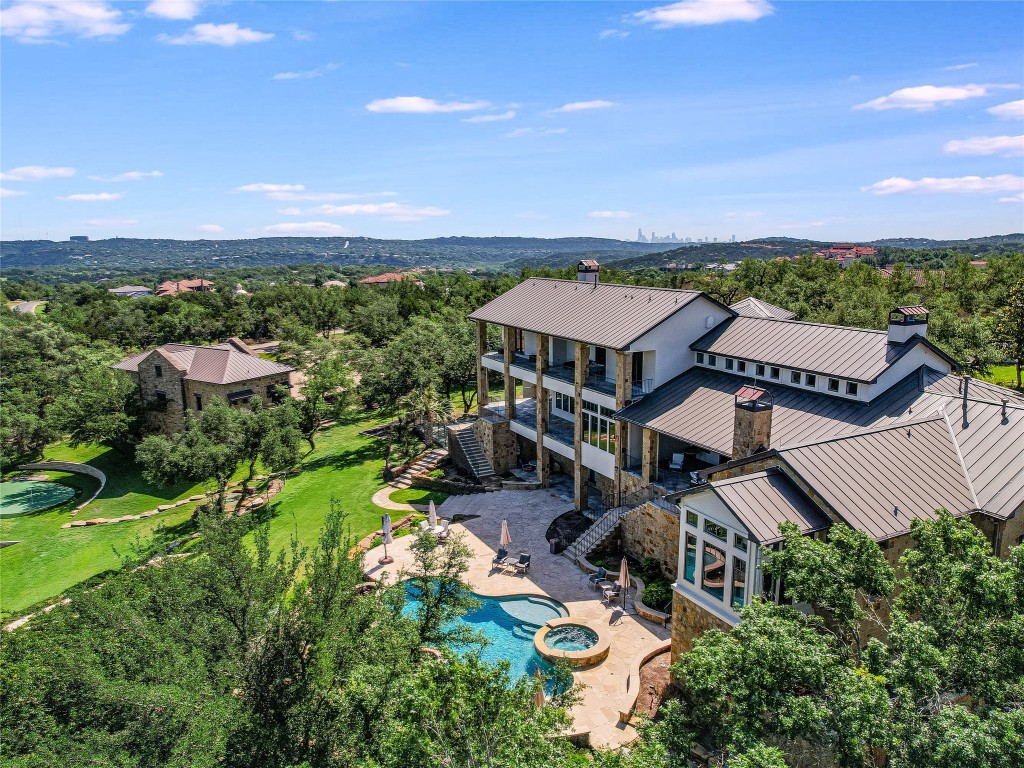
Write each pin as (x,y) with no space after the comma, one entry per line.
(21,497)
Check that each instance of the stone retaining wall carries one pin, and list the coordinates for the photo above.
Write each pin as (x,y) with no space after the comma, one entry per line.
(690,621)
(69,466)
(448,486)
(652,530)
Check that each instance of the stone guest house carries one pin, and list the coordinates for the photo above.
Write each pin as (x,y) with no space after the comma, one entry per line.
(735,419)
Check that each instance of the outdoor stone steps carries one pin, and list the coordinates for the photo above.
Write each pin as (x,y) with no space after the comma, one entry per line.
(596,534)
(475,456)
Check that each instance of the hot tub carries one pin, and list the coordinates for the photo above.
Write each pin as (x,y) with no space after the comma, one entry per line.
(573,641)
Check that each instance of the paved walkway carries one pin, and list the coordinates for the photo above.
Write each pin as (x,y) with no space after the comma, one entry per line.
(611,686)
(424,463)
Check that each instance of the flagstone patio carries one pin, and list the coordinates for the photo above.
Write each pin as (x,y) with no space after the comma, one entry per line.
(611,686)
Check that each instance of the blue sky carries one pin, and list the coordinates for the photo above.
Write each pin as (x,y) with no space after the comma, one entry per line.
(707,118)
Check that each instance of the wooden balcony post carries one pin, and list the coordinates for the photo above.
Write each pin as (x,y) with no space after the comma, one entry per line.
(541,395)
(482,384)
(580,491)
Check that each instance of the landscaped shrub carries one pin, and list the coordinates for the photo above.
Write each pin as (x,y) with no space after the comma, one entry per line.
(656,594)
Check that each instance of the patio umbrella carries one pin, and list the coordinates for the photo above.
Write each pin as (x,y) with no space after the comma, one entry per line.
(432,515)
(506,537)
(538,695)
(623,580)
(385,529)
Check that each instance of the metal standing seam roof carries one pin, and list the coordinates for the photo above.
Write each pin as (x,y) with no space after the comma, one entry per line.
(603,314)
(858,354)
(992,449)
(751,307)
(219,364)
(880,480)
(762,500)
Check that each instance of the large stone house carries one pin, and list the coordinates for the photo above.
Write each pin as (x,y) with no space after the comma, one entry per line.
(177,378)
(735,419)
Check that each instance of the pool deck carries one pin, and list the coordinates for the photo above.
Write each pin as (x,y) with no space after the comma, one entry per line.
(610,686)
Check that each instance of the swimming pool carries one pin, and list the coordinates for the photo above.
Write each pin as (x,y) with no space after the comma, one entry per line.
(509,624)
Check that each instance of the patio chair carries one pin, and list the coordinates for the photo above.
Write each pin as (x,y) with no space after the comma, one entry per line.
(424,526)
(524,563)
(443,533)
(611,593)
(597,578)
(499,558)
(677,461)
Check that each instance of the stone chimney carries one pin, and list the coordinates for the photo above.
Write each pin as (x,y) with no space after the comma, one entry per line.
(752,426)
(907,322)
(586,271)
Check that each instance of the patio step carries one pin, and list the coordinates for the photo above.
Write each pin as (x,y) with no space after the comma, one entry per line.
(479,465)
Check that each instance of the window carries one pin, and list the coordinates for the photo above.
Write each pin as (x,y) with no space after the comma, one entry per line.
(712,576)
(833,385)
(759,370)
(729,364)
(740,542)
(774,373)
(565,402)
(700,358)
(598,426)
(158,371)
(739,582)
(851,388)
(716,530)
(601,356)
(691,518)
(690,559)
(794,377)
(199,402)
(741,366)
(810,380)
(161,400)
(712,360)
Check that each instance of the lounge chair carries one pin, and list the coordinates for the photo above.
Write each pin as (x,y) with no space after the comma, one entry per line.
(443,533)
(524,563)
(424,526)
(611,593)
(597,578)
(499,559)
(677,461)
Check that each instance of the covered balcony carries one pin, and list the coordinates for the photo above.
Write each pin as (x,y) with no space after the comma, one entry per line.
(560,429)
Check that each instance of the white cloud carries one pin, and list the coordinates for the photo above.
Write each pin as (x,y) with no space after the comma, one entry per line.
(38,21)
(802,225)
(320,197)
(177,10)
(743,214)
(92,197)
(958,67)
(217,34)
(606,34)
(1011,110)
(532,215)
(212,228)
(391,211)
(308,228)
(611,214)
(36,173)
(307,74)
(519,132)
(290,211)
(696,13)
(263,187)
(111,222)
(924,98)
(129,176)
(582,106)
(490,118)
(1003,183)
(1018,198)
(420,105)
(1009,146)
(11,193)
(302,35)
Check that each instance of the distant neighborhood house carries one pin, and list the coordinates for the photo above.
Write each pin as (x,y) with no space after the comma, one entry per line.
(174,287)
(384,280)
(178,378)
(131,291)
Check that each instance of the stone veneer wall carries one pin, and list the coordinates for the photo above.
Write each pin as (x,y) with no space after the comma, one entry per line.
(690,621)
(498,443)
(652,531)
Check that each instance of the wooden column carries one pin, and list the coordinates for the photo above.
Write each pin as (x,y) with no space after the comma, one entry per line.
(623,394)
(541,395)
(649,458)
(580,494)
(509,337)
(482,384)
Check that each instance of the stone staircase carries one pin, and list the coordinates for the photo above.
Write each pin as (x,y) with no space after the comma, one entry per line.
(596,534)
(479,465)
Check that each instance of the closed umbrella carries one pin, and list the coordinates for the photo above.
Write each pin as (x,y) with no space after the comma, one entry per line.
(623,580)
(538,695)
(432,515)
(385,528)
(506,537)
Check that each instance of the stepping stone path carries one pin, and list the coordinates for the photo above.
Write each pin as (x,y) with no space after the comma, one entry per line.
(424,464)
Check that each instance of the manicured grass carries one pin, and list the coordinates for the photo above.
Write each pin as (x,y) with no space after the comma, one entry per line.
(418,496)
(1003,375)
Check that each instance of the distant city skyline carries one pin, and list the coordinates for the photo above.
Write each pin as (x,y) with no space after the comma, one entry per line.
(193,119)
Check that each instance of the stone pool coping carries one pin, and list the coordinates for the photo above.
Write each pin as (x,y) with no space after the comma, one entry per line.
(584,658)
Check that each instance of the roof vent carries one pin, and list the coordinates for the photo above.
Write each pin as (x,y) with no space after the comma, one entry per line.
(907,322)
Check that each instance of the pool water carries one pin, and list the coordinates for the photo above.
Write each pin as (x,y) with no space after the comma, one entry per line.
(20,497)
(509,624)
(571,637)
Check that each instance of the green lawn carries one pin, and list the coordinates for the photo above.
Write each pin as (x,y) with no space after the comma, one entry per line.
(418,496)
(1004,375)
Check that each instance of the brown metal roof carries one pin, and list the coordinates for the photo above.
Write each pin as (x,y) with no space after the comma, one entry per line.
(911,311)
(751,307)
(762,500)
(830,350)
(603,314)
(991,443)
(879,481)
(220,364)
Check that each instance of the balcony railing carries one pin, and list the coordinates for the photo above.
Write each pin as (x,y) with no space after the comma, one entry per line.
(642,387)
